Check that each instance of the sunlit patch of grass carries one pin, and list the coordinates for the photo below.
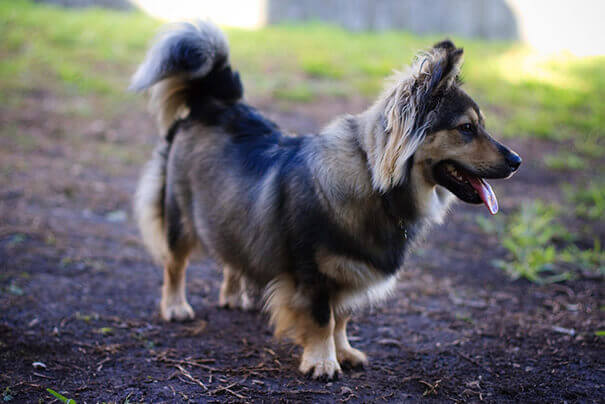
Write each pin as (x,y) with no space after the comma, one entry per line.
(90,51)
(94,51)
(523,66)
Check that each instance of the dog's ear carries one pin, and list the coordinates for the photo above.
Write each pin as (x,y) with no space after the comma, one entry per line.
(409,107)
(445,68)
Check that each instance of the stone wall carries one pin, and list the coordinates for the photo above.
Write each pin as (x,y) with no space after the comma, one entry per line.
(472,18)
(548,25)
(116,4)
(490,19)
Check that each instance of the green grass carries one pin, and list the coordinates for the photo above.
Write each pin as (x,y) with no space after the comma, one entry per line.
(528,236)
(72,52)
(539,246)
(94,51)
(61,397)
(588,201)
(565,161)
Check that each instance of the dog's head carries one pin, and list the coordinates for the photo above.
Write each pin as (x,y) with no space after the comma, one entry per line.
(429,123)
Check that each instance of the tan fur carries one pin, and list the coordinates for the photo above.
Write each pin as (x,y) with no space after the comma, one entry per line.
(167,102)
(290,317)
(481,153)
(148,203)
(319,351)
(344,351)
(174,306)
(287,310)
(389,149)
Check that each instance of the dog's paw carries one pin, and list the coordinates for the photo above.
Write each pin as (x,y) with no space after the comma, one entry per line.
(236,301)
(177,312)
(327,368)
(352,357)
(246,302)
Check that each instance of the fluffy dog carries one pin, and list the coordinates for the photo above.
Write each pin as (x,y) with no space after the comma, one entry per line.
(322,222)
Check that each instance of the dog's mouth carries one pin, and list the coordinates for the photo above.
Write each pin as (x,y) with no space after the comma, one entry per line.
(467,186)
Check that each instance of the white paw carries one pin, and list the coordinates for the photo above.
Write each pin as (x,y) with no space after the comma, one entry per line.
(236,301)
(352,356)
(246,302)
(322,367)
(180,311)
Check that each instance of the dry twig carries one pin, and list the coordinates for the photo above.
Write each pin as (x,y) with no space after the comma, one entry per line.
(185,373)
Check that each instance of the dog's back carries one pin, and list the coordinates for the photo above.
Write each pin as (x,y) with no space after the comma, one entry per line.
(217,176)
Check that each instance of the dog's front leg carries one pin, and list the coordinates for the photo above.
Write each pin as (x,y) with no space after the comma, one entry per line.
(306,316)
(234,291)
(344,351)
(319,350)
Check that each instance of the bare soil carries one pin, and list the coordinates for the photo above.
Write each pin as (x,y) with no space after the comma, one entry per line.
(79,295)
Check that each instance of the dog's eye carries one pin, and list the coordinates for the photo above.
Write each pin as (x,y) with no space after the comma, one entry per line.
(467,129)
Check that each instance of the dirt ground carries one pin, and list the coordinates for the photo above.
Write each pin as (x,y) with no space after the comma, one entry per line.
(79,296)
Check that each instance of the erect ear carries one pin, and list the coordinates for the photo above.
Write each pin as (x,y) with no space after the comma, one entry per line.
(447,60)
(433,73)
(409,106)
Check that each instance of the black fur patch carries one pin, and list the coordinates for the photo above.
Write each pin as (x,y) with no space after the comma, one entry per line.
(432,97)
(221,83)
(454,103)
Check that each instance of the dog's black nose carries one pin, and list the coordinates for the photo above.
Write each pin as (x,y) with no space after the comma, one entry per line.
(513,160)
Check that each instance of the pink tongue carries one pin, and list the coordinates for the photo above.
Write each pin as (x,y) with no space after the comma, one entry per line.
(486,193)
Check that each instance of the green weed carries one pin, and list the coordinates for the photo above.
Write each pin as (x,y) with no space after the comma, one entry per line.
(7,395)
(589,260)
(527,237)
(565,161)
(531,236)
(61,397)
(588,201)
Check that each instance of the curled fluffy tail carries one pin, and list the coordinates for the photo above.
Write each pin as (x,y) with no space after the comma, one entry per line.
(149,204)
(188,61)
(187,65)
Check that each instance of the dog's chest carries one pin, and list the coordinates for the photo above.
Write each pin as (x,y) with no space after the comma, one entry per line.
(358,283)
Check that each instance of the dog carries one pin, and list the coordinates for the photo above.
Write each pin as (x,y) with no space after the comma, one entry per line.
(321,223)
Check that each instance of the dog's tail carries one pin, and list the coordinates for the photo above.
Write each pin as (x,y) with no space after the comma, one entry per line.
(188,62)
(149,204)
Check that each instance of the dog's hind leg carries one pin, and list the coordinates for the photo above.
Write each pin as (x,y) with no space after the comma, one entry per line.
(174,306)
(344,351)
(246,301)
(234,292)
